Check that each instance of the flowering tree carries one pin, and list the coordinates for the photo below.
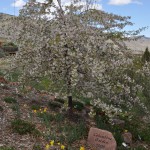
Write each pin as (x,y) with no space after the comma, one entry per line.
(76,45)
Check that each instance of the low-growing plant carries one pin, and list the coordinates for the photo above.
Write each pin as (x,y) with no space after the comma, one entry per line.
(1,108)
(37,147)
(16,108)
(10,100)
(35,107)
(60,100)
(116,130)
(46,117)
(74,133)
(7,148)
(22,127)
(78,105)
(54,105)
(59,117)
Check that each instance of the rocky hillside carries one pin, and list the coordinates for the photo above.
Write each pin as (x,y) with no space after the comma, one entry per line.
(139,45)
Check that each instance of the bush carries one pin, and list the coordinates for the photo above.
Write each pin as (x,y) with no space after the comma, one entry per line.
(2,54)
(7,148)
(1,108)
(54,105)
(22,127)
(78,105)
(10,100)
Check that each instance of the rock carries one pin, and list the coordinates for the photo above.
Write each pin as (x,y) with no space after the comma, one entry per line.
(118,122)
(127,138)
(101,139)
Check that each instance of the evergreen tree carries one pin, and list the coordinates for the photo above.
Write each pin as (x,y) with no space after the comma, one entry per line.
(146,56)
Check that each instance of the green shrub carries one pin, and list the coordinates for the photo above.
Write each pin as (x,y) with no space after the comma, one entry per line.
(78,105)
(53,104)
(46,116)
(10,100)
(60,101)
(2,54)
(35,107)
(7,148)
(74,133)
(59,117)
(37,147)
(1,108)
(22,127)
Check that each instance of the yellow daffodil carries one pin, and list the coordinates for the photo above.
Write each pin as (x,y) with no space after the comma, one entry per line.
(58,143)
(47,146)
(82,148)
(45,109)
(62,147)
(35,111)
(52,143)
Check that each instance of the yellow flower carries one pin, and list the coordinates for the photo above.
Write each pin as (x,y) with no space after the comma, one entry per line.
(52,143)
(47,146)
(82,148)
(62,147)
(125,130)
(45,109)
(58,143)
(35,111)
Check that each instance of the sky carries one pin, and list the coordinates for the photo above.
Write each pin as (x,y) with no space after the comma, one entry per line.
(139,10)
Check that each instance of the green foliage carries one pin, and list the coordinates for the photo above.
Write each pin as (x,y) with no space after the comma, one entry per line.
(53,104)
(10,100)
(60,100)
(14,75)
(59,117)
(144,133)
(74,133)
(146,55)
(46,117)
(16,108)
(22,127)
(78,105)
(37,147)
(2,54)
(35,107)
(1,108)
(9,44)
(116,130)
(7,148)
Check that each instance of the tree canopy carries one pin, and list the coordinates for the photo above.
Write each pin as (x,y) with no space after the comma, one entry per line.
(79,48)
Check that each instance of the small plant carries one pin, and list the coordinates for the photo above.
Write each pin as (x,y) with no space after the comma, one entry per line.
(46,117)
(59,117)
(22,127)
(16,108)
(35,107)
(60,101)
(10,100)
(74,133)
(54,105)
(78,105)
(37,147)
(7,148)
(1,108)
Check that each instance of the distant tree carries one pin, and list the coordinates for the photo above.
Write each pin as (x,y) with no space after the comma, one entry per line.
(146,56)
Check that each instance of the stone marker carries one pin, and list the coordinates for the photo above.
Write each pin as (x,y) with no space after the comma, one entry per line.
(127,137)
(101,139)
